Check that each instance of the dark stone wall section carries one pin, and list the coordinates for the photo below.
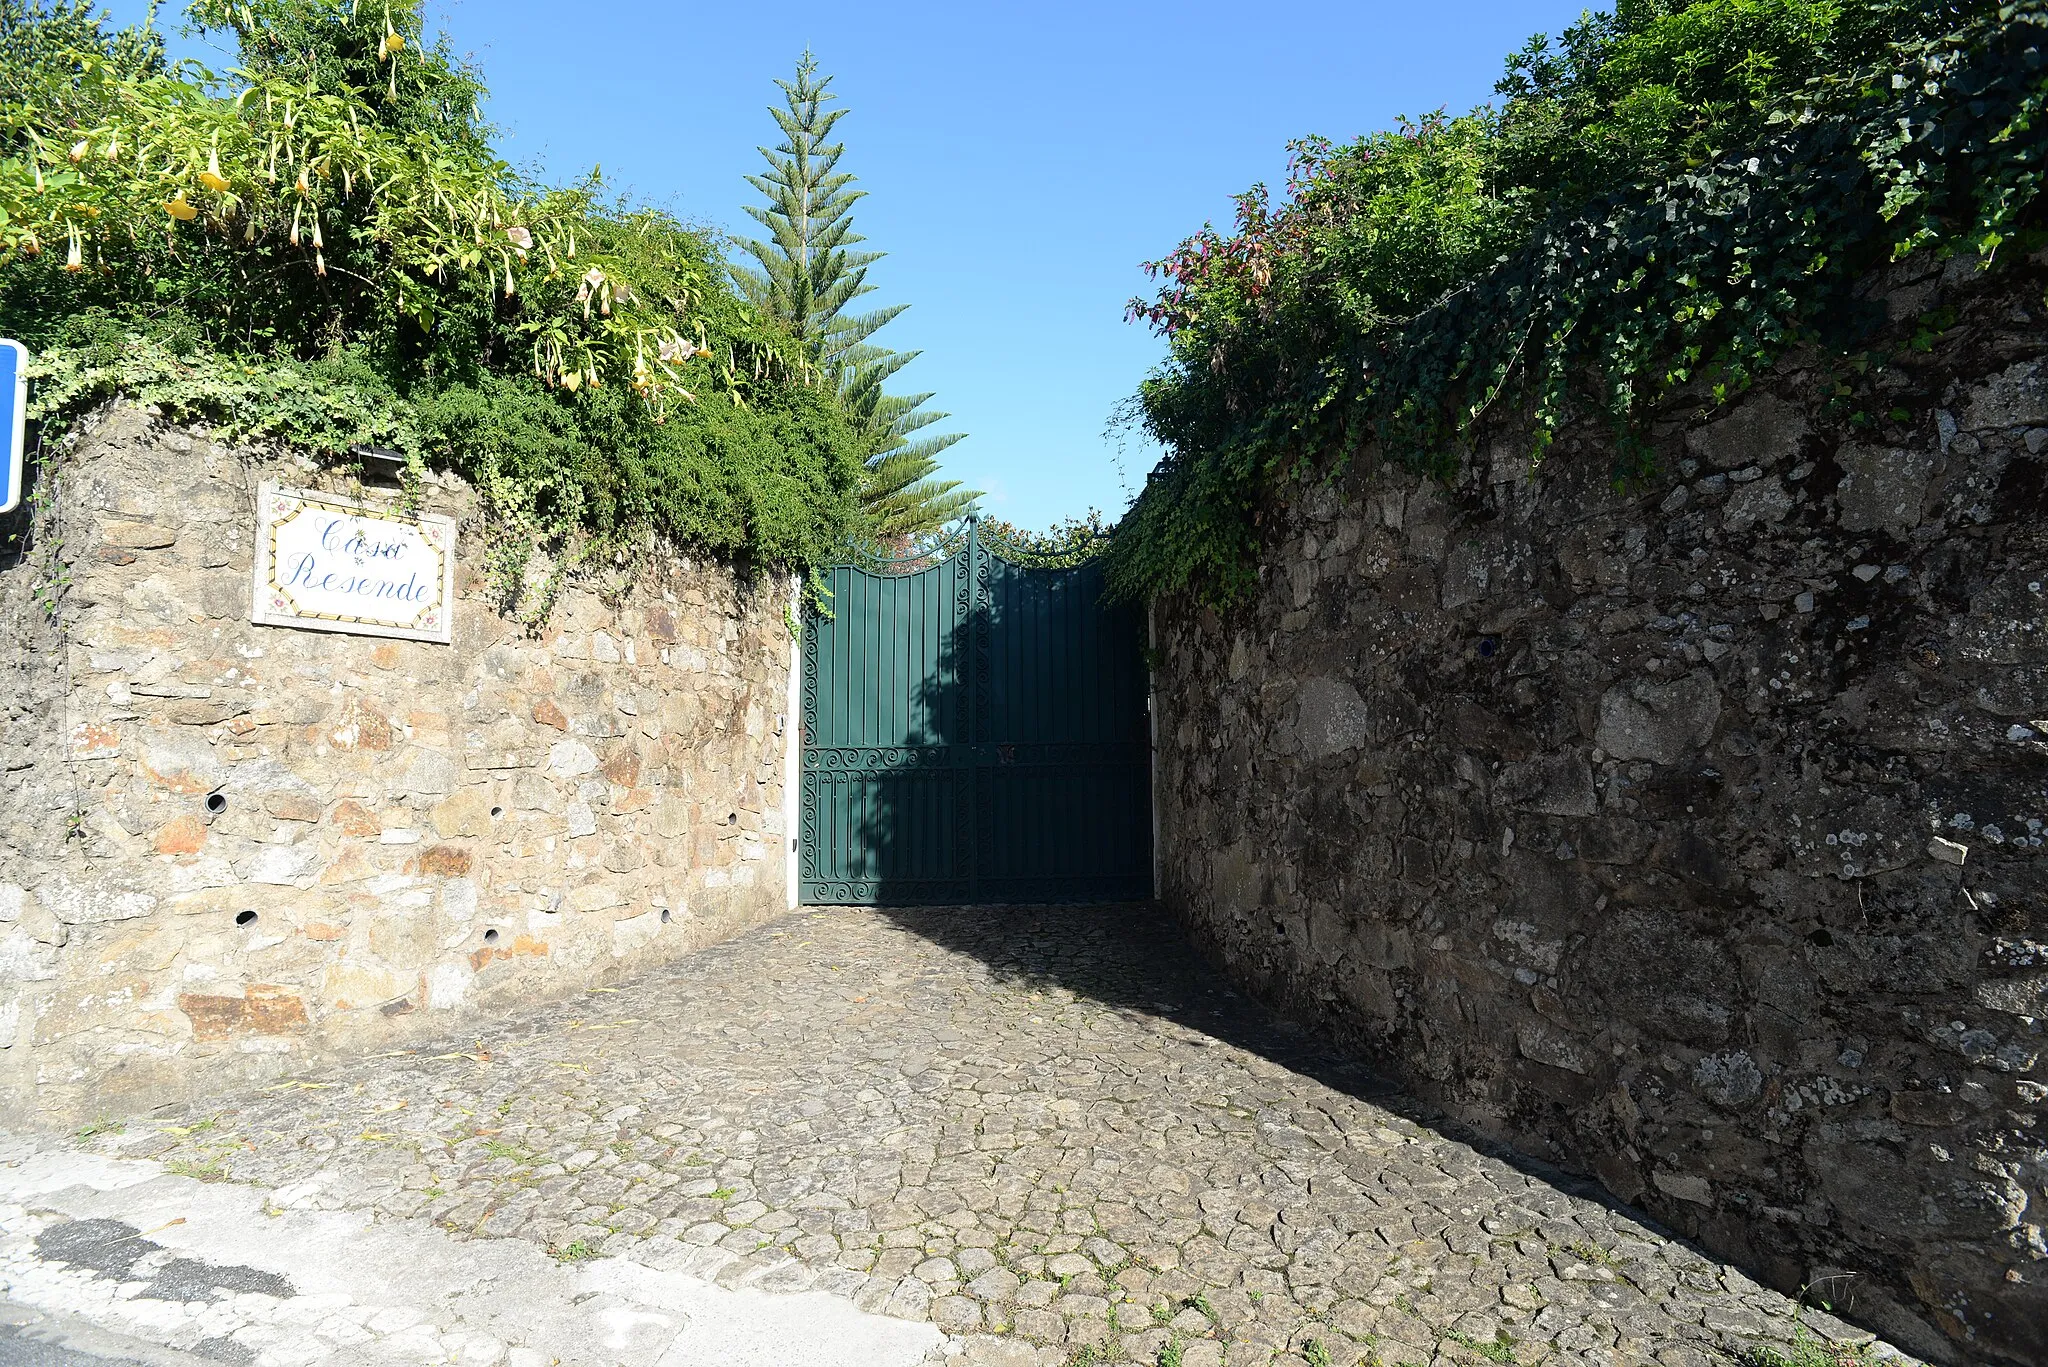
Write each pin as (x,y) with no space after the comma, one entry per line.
(1689,834)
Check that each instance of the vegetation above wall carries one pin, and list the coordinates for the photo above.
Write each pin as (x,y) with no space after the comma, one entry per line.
(1069,542)
(321,246)
(1671,195)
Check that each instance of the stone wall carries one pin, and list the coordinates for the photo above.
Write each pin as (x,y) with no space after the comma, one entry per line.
(1692,834)
(407,833)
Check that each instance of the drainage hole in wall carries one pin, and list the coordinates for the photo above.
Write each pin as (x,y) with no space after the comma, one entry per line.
(732,818)
(491,936)
(1487,647)
(245,918)
(216,803)
(497,812)
(665,917)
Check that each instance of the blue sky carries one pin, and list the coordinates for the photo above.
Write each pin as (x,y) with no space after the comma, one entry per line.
(1020,161)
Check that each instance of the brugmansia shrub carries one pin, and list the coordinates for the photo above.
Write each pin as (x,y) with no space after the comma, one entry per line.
(322,246)
(1673,195)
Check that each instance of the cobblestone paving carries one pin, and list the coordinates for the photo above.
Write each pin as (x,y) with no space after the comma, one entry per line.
(1049,1131)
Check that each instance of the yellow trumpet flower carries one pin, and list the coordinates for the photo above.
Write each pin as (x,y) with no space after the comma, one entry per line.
(78,152)
(75,262)
(211,177)
(180,209)
(572,380)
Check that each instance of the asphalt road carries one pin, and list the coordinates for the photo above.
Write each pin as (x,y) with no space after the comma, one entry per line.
(44,1338)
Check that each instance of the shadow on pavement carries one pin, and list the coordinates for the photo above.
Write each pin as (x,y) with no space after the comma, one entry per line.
(1137,958)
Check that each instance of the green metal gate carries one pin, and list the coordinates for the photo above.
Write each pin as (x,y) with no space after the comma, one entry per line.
(975,731)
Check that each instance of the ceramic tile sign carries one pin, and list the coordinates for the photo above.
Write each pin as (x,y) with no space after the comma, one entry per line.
(333,564)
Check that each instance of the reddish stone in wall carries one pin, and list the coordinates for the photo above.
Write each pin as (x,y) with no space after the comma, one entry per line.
(352,818)
(623,768)
(443,861)
(274,1011)
(183,836)
(262,1010)
(213,1018)
(358,727)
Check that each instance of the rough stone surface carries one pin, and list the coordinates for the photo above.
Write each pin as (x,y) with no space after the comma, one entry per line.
(1694,837)
(1050,1131)
(405,830)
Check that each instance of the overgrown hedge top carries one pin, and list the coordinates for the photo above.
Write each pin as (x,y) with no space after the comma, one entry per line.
(321,246)
(1676,192)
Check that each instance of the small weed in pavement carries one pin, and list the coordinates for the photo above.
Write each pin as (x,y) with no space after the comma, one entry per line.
(1592,1253)
(1501,1350)
(1808,1349)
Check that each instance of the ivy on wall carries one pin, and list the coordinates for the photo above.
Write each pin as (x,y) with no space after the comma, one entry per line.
(1673,195)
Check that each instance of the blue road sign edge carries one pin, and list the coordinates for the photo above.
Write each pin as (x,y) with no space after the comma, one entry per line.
(15,439)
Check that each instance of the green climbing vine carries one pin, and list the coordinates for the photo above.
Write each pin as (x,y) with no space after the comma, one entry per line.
(1671,196)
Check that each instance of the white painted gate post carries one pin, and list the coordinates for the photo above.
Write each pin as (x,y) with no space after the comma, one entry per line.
(792,752)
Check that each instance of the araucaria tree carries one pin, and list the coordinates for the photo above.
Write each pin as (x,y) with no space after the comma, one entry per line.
(808,274)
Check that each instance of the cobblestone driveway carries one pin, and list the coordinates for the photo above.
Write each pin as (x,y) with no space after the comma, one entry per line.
(1049,1131)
